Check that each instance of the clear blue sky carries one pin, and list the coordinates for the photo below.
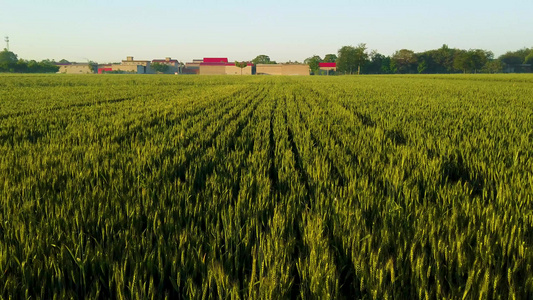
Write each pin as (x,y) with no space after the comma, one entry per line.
(110,30)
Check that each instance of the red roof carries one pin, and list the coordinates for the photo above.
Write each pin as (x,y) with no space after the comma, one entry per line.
(215,60)
(221,64)
(327,65)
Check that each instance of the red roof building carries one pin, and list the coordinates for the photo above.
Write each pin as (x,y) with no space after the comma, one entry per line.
(215,60)
(217,66)
(327,65)
(221,64)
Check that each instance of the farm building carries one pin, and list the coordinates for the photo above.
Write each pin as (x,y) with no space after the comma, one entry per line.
(133,66)
(173,64)
(282,69)
(232,69)
(216,66)
(215,60)
(75,68)
(129,65)
(105,68)
(224,69)
(330,66)
(222,66)
(213,66)
(192,67)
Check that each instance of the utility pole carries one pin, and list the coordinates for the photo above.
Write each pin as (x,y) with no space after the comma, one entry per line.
(7,42)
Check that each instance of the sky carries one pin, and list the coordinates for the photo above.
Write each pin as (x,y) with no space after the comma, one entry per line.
(109,30)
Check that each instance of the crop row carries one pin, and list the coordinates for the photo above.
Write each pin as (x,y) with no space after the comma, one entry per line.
(344,187)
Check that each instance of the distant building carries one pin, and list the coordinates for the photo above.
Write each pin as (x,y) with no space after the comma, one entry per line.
(327,67)
(75,68)
(212,69)
(174,66)
(282,69)
(133,66)
(192,67)
(213,66)
(131,62)
(130,65)
(216,66)
(222,66)
(232,69)
(105,68)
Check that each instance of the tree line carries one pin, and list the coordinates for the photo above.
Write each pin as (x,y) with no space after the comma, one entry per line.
(358,60)
(9,62)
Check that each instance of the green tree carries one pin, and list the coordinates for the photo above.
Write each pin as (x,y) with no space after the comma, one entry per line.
(159,67)
(22,66)
(422,66)
(48,66)
(443,58)
(479,58)
(378,64)
(427,64)
(513,58)
(262,59)
(493,66)
(8,61)
(8,57)
(33,66)
(529,58)
(290,62)
(352,59)
(463,61)
(346,60)
(314,63)
(472,60)
(93,66)
(361,57)
(330,58)
(385,65)
(404,61)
